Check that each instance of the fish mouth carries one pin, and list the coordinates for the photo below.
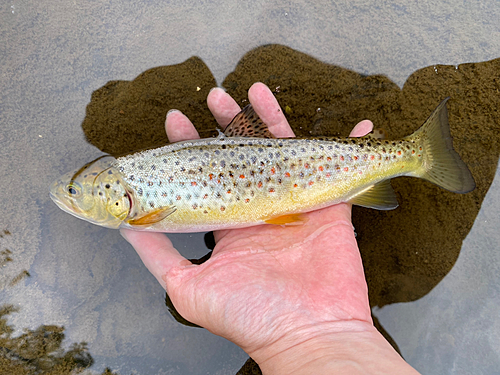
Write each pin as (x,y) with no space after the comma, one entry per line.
(62,205)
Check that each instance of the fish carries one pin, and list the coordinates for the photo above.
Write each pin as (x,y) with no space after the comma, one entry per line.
(245,177)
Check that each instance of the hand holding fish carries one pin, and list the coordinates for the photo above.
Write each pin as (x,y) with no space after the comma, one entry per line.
(293,297)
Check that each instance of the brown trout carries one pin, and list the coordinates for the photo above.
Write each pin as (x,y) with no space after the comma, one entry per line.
(246,177)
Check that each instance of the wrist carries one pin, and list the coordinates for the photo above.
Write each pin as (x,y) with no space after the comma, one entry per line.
(353,347)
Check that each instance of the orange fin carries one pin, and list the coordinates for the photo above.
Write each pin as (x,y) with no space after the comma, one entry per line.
(153,217)
(247,124)
(292,219)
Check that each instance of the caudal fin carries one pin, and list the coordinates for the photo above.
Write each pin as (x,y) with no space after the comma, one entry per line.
(443,165)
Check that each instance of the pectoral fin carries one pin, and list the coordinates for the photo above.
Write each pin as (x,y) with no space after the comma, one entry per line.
(380,197)
(153,217)
(292,219)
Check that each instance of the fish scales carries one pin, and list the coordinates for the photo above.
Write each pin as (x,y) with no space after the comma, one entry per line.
(246,177)
(250,179)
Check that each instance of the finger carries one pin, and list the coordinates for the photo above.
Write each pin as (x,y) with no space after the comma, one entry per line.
(268,109)
(362,128)
(156,252)
(179,127)
(222,106)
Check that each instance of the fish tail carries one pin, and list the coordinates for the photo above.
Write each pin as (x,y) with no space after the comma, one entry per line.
(442,165)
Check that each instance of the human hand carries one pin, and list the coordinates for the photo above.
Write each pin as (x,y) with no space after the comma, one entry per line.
(276,291)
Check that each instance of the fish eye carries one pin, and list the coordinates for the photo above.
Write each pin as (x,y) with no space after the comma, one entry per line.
(73,189)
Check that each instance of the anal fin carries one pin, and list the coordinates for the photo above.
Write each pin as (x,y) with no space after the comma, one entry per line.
(380,196)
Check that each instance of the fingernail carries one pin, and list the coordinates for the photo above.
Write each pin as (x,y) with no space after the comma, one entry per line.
(215,88)
(172,111)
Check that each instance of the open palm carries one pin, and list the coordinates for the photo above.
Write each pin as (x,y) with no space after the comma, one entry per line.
(265,283)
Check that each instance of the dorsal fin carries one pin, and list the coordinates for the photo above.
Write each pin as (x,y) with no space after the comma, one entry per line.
(247,124)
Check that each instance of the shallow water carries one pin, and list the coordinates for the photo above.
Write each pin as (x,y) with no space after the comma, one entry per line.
(89,280)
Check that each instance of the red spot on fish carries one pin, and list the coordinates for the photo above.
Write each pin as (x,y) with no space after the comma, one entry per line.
(222,208)
(259,184)
(218,181)
(420,148)
(287,174)
(346,169)
(306,165)
(341,158)
(178,197)
(271,190)
(399,152)
(205,196)
(193,183)
(320,168)
(328,175)
(413,151)
(355,158)
(329,158)
(242,176)
(311,182)
(419,155)
(229,191)
(295,185)
(211,176)
(372,157)
(273,171)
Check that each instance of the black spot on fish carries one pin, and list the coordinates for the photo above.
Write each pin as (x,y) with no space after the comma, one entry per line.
(107,186)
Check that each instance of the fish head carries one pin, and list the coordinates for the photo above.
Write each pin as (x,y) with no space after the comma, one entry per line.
(95,193)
